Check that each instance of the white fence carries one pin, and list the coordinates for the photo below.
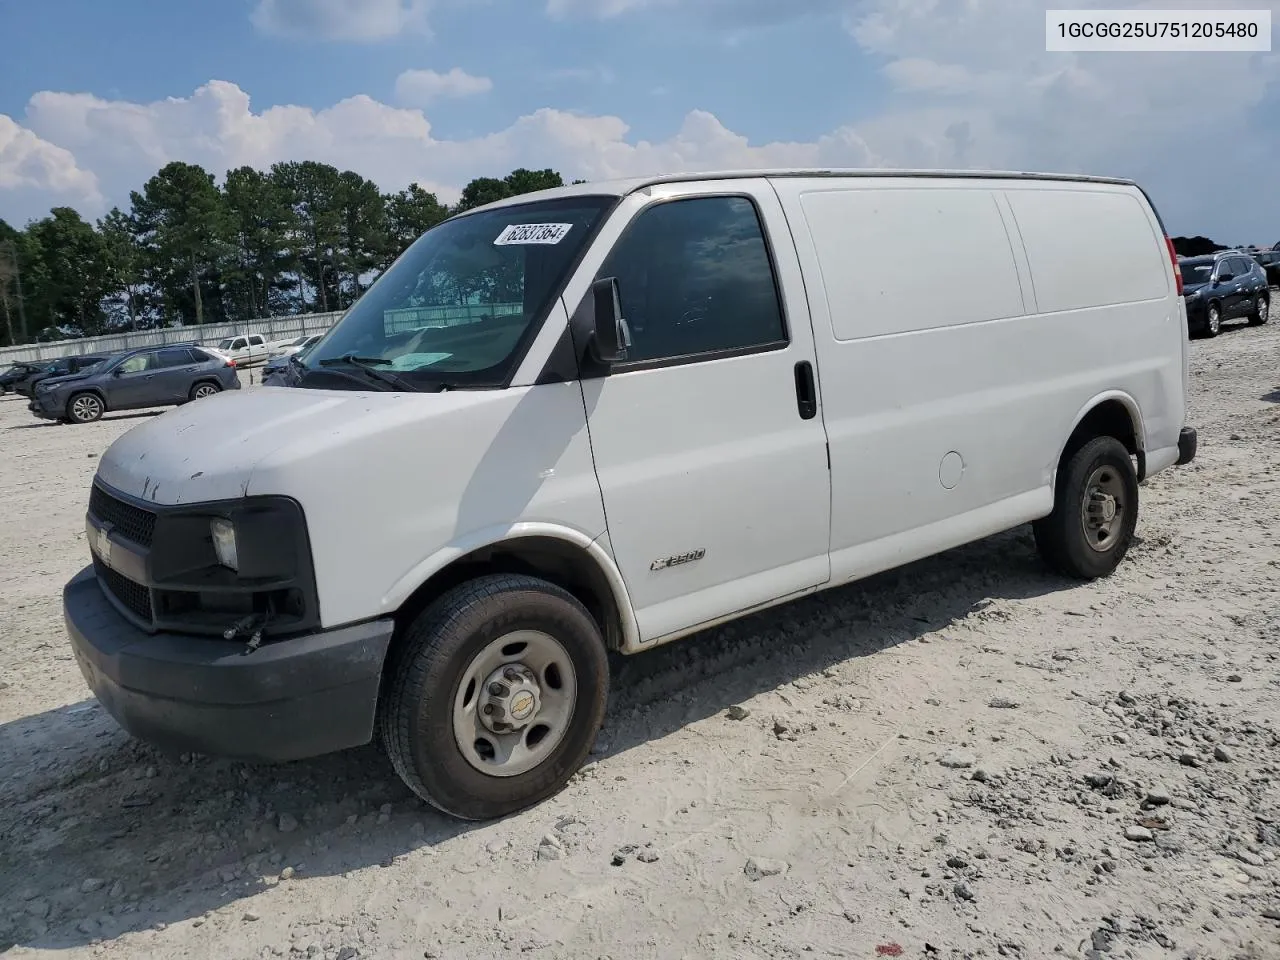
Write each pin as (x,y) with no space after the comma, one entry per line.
(273,328)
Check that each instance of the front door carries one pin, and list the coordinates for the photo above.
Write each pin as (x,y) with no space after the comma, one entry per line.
(132,384)
(708,440)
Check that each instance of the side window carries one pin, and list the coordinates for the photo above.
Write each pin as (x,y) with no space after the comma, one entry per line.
(199,356)
(695,277)
(1243,265)
(256,341)
(1224,270)
(173,357)
(239,344)
(137,363)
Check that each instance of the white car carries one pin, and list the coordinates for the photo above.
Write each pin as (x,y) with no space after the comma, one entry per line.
(661,404)
(288,348)
(246,350)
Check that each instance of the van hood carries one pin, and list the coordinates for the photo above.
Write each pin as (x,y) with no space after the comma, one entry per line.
(208,450)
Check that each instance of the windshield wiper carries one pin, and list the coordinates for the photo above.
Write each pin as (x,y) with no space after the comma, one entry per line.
(370,366)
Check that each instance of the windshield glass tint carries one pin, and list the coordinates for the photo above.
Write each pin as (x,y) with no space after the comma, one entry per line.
(1196,272)
(457,304)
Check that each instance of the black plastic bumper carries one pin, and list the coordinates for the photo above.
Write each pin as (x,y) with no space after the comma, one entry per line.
(1187,445)
(289,699)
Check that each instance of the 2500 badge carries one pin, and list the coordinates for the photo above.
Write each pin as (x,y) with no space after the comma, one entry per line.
(677,560)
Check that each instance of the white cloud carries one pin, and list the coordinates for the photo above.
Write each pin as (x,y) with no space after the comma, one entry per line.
(358,20)
(123,143)
(417,88)
(36,174)
(971,86)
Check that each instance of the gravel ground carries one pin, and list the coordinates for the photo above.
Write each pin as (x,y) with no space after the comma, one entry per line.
(964,758)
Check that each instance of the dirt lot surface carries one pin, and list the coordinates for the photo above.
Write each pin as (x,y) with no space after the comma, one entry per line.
(964,758)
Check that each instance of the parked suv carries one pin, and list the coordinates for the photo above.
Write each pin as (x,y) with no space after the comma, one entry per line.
(1269,261)
(16,374)
(1223,286)
(62,367)
(152,377)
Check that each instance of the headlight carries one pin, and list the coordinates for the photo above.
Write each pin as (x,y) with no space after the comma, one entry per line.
(224,542)
(1194,294)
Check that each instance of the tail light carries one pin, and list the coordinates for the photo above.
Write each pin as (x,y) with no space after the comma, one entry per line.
(1173,256)
(232,363)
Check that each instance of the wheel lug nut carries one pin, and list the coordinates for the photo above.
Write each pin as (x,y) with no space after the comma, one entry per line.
(498,690)
(511,674)
(488,709)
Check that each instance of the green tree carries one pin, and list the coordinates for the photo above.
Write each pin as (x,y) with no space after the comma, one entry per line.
(124,261)
(363,233)
(410,214)
(314,192)
(260,218)
(181,224)
(77,275)
(527,181)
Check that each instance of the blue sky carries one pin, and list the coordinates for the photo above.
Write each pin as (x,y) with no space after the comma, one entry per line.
(96,95)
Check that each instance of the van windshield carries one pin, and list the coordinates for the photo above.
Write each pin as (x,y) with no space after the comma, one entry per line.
(458,306)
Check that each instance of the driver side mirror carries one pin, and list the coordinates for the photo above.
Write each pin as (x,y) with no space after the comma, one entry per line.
(117,372)
(612,336)
(1223,278)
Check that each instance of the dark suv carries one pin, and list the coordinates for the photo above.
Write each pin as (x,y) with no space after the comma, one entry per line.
(152,377)
(1223,286)
(46,369)
(1269,260)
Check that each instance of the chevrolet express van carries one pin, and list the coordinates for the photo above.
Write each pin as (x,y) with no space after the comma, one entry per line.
(602,417)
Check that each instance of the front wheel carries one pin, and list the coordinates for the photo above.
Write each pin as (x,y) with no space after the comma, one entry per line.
(1095,511)
(1259,313)
(494,696)
(84,408)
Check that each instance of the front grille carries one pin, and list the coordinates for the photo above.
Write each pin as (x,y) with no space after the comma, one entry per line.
(130,522)
(135,597)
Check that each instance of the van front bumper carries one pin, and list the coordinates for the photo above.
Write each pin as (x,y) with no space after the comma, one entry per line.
(289,699)
(1187,445)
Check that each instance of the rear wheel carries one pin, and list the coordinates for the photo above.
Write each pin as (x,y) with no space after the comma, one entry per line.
(1259,313)
(205,389)
(1095,511)
(84,408)
(494,696)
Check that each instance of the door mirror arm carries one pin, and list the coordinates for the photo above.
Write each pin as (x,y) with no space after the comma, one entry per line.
(610,335)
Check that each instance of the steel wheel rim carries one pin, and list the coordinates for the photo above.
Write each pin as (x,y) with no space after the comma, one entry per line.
(1215,319)
(1104,508)
(545,671)
(85,408)
(204,390)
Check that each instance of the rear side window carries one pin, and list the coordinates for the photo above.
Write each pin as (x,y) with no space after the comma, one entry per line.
(1240,266)
(695,278)
(199,356)
(173,357)
(1090,248)
(256,341)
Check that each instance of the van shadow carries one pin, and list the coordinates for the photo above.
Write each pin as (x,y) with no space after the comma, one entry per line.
(103,835)
(1272,397)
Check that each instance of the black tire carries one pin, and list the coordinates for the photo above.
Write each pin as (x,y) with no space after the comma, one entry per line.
(1260,312)
(1063,538)
(424,677)
(84,408)
(1212,321)
(202,389)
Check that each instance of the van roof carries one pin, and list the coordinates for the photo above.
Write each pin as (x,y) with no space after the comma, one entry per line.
(622,187)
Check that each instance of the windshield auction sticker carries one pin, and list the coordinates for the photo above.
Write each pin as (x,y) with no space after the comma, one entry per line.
(532,233)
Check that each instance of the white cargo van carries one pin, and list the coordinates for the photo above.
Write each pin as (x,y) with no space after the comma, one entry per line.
(609,415)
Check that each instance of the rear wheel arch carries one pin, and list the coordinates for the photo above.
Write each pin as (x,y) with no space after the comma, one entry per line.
(1113,414)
